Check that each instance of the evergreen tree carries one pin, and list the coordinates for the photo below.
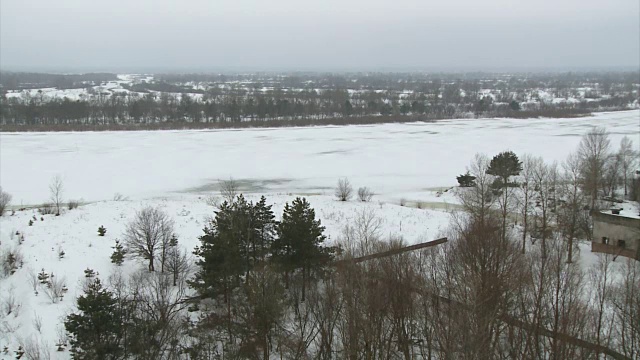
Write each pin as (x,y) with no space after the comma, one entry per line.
(96,331)
(505,165)
(117,257)
(264,231)
(466,180)
(299,245)
(221,262)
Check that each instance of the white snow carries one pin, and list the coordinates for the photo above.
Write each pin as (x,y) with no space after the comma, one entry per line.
(391,159)
(75,232)
(416,163)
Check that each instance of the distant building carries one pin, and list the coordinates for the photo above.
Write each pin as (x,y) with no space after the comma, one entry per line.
(616,232)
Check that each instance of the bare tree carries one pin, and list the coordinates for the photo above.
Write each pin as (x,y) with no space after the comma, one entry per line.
(5,200)
(56,190)
(570,210)
(344,190)
(545,180)
(611,175)
(625,299)
(602,286)
(365,194)
(361,232)
(477,200)
(149,232)
(628,159)
(526,195)
(158,308)
(178,263)
(229,189)
(593,152)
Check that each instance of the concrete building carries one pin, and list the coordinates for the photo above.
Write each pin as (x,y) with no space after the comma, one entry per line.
(616,232)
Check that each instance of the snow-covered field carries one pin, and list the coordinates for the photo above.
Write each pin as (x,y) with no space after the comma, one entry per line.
(177,169)
(395,160)
(75,233)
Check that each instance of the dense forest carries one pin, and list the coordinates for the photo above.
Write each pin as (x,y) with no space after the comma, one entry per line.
(201,100)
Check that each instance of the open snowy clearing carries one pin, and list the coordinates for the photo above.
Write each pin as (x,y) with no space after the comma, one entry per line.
(394,160)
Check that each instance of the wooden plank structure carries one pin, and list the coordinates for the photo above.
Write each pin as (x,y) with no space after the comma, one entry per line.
(391,252)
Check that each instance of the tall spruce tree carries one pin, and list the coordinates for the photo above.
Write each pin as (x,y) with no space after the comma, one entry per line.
(221,262)
(96,331)
(239,237)
(264,231)
(299,245)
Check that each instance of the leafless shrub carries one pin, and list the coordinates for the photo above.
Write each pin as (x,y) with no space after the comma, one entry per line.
(46,209)
(119,197)
(37,322)
(365,194)
(55,288)
(344,189)
(9,304)
(229,189)
(5,200)
(360,234)
(149,232)
(35,349)
(212,200)
(61,337)
(73,204)
(32,277)
(56,189)
(403,202)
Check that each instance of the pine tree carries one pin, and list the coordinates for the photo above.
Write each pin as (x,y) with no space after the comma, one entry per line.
(505,165)
(221,262)
(117,257)
(102,230)
(96,331)
(263,228)
(466,180)
(299,245)
(43,277)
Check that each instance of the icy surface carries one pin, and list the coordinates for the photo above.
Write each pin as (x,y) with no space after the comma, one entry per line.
(394,160)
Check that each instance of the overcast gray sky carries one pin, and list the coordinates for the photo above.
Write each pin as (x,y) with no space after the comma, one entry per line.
(200,35)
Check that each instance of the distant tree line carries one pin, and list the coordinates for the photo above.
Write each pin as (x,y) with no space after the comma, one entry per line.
(220,100)
(20,80)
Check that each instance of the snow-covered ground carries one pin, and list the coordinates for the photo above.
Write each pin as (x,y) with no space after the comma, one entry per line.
(75,233)
(394,160)
(176,170)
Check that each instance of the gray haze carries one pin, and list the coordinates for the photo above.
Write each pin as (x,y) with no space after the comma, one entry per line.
(200,35)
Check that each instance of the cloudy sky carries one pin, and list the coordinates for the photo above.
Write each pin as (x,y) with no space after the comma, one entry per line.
(200,35)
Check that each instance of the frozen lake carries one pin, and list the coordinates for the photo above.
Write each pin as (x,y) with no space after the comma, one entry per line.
(392,159)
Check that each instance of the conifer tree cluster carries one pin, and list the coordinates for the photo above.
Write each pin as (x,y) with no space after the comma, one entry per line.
(244,236)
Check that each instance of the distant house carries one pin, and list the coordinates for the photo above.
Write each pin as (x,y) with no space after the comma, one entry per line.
(616,232)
